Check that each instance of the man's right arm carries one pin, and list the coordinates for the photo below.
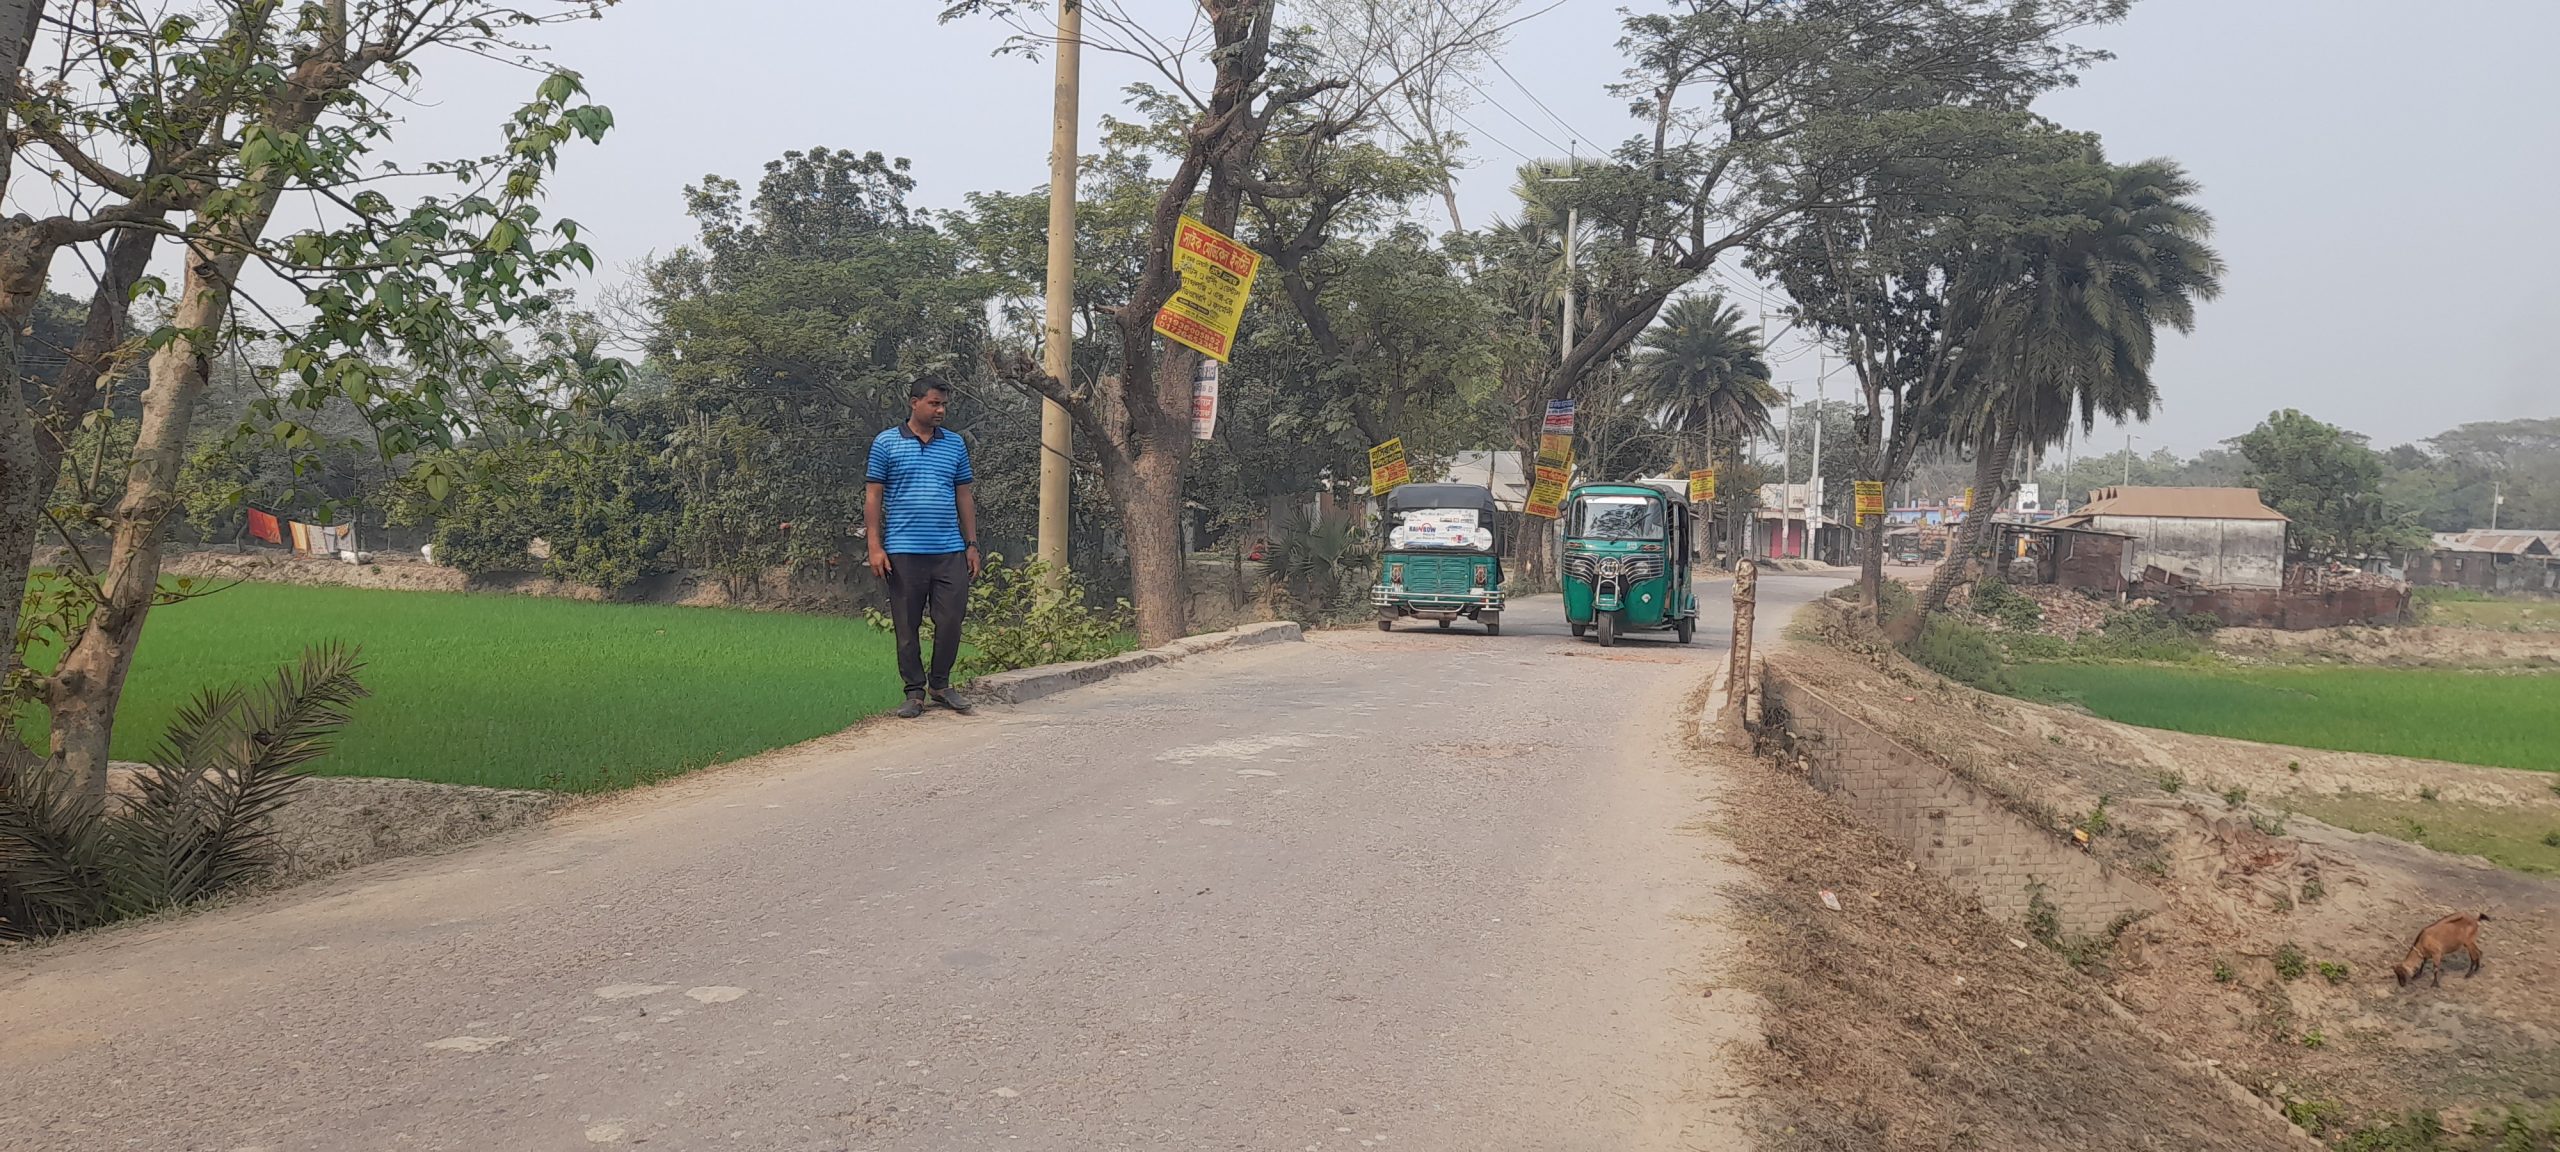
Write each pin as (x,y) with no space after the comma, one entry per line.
(877,530)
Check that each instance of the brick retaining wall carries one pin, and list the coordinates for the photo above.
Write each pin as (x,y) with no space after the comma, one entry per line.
(1951,826)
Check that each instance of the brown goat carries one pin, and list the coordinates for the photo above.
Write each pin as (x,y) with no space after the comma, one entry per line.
(2459,932)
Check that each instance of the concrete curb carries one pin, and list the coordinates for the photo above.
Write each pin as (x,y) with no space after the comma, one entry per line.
(1028,684)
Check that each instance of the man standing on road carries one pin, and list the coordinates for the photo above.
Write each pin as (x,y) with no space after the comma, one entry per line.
(924,539)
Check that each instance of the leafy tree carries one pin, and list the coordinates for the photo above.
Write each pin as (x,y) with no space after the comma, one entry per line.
(2085,281)
(1755,114)
(2328,481)
(788,336)
(1263,88)
(1707,381)
(194,122)
(1908,285)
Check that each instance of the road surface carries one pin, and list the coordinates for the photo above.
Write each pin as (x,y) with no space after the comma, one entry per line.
(1424,890)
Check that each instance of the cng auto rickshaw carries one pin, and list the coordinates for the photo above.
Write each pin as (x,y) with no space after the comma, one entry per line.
(1626,561)
(1440,558)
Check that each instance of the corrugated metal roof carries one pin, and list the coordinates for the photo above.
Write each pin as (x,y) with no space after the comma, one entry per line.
(2501,543)
(2173,504)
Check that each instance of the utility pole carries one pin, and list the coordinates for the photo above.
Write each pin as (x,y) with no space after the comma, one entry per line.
(1057,431)
(1572,224)
(1787,472)
(2128,459)
(2497,496)
(1813,482)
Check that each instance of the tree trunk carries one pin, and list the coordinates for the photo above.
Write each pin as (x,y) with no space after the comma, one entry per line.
(1149,492)
(90,682)
(23,488)
(1990,483)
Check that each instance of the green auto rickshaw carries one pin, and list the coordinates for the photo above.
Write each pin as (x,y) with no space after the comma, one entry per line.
(1440,557)
(1626,561)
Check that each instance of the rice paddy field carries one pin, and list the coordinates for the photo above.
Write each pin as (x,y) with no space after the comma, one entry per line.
(2504,720)
(524,691)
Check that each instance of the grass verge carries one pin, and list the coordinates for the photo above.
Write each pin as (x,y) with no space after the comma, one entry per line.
(523,691)
(2527,840)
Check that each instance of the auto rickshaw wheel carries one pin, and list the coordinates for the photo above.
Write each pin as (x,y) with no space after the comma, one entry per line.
(1581,630)
(1608,623)
(1687,628)
(1387,624)
(1444,624)
(1492,622)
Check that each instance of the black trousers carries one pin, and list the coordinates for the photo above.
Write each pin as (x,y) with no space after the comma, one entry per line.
(922,584)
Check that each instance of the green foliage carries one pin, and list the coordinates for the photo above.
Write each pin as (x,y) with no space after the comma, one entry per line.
(2098,822)
(1959,651)
(2311,1115)
(608,514)
(2291,964)
(2172,780)
(1018,619)
(2315,1039)
(201,821)
(2313,891)
(2267,825)
(2043,921)
(786,337)
(2411,1132)
(2235,796)
(2151,634)
(1324,566)
(2332,971)
(2010,608)
(2426,792)
(2328,482)
(2223,973)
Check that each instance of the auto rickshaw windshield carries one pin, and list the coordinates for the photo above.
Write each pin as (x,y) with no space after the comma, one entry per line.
(1617,518)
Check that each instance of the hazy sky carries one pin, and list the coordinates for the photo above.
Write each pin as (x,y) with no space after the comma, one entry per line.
(2383,173)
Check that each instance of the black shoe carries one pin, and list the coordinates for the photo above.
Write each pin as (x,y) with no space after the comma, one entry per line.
(953,701)
(913,708)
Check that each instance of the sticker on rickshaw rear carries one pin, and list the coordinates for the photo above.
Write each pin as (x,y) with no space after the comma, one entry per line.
(1437,528)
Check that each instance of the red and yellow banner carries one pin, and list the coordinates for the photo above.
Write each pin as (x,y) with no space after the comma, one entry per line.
(1217,279)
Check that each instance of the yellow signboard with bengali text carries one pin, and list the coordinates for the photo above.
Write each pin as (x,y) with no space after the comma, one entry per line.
(1387,468)
(1217,278)
(1702,485)
(1546,494)
(1870,498)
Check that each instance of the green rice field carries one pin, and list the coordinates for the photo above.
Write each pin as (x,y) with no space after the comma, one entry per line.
(2510,721)
(523,691)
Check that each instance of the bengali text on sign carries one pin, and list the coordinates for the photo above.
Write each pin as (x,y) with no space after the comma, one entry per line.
(1387,468)
(1546,494)
(1870,498)
(1217,279)
(1702,485)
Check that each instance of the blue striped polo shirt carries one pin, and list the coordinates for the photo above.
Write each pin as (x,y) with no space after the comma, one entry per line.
(920,485)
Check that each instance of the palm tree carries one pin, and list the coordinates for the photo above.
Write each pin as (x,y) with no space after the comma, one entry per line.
(2087,290)
(1701,375)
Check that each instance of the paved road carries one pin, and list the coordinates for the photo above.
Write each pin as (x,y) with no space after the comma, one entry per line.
(1423,890)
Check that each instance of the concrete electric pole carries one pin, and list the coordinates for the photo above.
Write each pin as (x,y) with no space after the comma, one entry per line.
(1057,431)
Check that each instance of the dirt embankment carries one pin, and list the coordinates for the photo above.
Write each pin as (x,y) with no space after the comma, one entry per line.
(2421,647)
(2274,956)
(1908,1020)
(781,589)
(339,822)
